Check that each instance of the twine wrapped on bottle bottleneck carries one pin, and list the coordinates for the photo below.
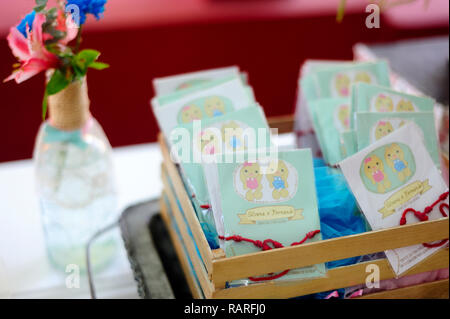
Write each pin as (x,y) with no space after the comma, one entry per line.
(69,108)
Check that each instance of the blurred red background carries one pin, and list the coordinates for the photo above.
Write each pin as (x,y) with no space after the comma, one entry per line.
(144,39)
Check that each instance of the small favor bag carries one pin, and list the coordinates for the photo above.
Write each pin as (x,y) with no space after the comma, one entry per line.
(265,202)
(392,177)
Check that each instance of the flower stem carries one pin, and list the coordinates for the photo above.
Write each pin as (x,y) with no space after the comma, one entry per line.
(78,40)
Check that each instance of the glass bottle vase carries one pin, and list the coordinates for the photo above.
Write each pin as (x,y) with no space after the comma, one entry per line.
(75,182)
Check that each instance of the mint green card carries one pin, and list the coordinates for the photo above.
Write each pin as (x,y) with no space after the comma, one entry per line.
(348,143)
(211,138)
(308,88)
(268,198)
(376,98)
(201,102)
(336,81)
(374,126)
(200,86)
(172,83)
(330,119)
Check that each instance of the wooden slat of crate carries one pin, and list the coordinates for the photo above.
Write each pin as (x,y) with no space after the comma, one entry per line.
(182,257)
(186,205)
(197,263)
(431,290)
(327,250)
(340,277)
(284,123)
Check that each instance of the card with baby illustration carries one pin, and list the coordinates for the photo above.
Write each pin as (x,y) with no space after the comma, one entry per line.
(170,84)
(392,174)
(212,100)
(167,99)
(267,197)
(336,81)
(376,98)
(231,132)
(330,119)
(373,126)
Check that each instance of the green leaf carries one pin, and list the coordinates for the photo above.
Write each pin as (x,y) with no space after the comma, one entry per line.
(44,106)
(99,65)
(87,56)
(39,8)
(52,13)
(40,5)
(57,83)
(85,59)
(79,71)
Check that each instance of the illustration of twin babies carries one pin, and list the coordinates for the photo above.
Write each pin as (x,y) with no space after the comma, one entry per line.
(384,103)
(214,106)
(251,177)
(343,82)
(395,159)
(231,136)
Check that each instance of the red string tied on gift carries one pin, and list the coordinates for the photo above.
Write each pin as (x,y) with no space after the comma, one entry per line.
(264,245)
(423,216)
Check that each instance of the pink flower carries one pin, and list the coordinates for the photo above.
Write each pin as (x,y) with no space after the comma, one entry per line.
(30,50)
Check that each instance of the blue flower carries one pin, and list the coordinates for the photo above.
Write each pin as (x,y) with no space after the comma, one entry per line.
(94,7)
(29,19)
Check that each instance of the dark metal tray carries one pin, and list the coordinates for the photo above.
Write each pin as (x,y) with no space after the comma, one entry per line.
(152,258)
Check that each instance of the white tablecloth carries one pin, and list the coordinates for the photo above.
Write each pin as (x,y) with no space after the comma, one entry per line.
(24,268)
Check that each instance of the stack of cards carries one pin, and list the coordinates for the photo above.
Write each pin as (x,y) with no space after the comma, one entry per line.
(303,123)
(203,101)
(350,105)
(204,96)
(324,103)
(240,185)
(385,142)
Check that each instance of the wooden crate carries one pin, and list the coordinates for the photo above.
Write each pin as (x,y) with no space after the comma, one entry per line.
(207,271)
